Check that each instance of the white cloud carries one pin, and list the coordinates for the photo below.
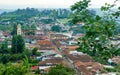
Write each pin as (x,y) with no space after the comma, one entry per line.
(37,3)
(99,3)
(47,3)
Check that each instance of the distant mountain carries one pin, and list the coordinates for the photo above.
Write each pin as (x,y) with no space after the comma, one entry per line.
(1,11)
(99,12)
(6,10)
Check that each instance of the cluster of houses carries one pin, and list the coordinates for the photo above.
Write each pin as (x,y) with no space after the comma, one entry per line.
(82,63)
(61,49)
(58,48)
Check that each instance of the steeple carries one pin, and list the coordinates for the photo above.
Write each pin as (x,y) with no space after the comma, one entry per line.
(19,32)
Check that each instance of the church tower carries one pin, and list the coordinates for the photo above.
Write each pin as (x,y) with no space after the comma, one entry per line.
(19,32)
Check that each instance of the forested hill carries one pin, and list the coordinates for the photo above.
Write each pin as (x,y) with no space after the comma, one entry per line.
(24,14)
(6,10)
(19,14)
(30,16)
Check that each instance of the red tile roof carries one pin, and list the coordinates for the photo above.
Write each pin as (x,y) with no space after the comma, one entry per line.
(88,68)
(73,47)
(44,42)
(82,58)
(53,61)
(33,68)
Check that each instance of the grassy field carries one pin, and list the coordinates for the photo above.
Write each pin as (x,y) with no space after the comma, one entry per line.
(64,20)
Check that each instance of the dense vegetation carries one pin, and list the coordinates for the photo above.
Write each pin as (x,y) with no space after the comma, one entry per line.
(99,30)
(25,14)
(16,60)
(18,44)
(19,15)
(17,68)
(56,28)
(61,70)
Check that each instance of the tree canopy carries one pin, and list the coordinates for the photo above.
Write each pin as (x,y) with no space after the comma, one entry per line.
(56,28)
(14,31)
(18,44)
(61,70)
(99,30)
(18,69)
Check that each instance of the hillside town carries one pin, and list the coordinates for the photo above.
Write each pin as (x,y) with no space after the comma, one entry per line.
(58,48)
(78,40)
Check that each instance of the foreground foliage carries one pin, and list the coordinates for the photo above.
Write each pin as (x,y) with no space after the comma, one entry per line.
(15,68)
(61,70)
(99,30)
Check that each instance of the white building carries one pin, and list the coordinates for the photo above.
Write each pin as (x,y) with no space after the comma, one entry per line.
(19,32)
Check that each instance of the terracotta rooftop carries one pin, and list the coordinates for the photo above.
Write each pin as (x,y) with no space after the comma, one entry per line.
(34,37)
(82,58)
(52,61)
(44,42)
(88,68)
(44,48)
(116,59)
(73,47)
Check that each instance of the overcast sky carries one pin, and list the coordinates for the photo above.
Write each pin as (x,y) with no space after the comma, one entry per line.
(14,4)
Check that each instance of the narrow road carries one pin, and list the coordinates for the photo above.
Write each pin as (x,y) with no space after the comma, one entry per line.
(65,58)
(71,65)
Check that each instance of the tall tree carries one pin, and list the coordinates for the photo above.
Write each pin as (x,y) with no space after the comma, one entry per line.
(99,30)
(14,44)
(4,47)
(34,51)
(18,44)
(56,28)
(14,31)
(54,13)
